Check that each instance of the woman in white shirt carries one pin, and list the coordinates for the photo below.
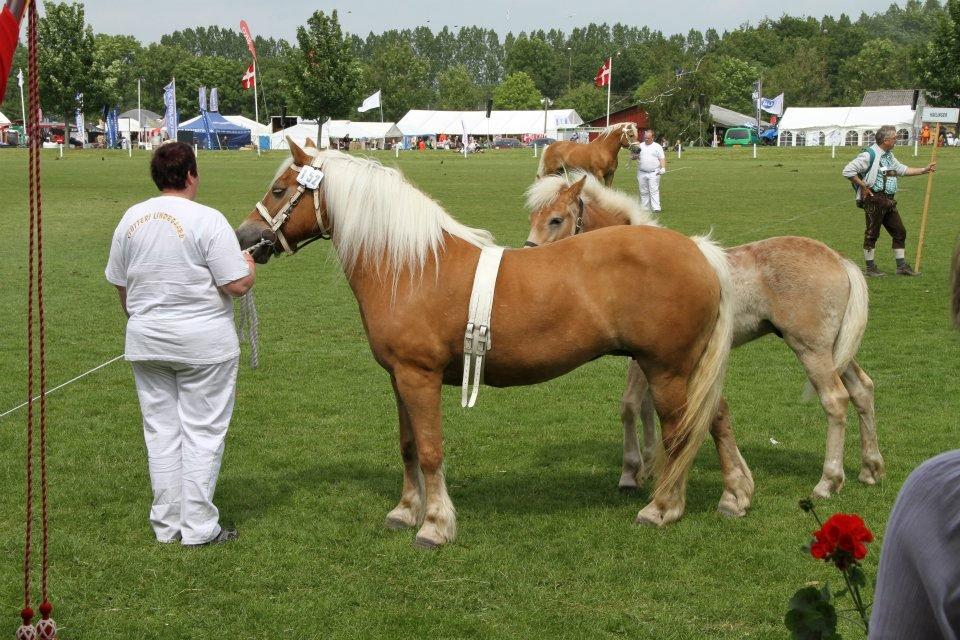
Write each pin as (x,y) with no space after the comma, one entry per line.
(176,264)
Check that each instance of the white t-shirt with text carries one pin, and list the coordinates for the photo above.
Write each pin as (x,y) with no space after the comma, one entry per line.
(650,156)
(171,254)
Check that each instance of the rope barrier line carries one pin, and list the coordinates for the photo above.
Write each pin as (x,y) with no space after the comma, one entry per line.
(60,386)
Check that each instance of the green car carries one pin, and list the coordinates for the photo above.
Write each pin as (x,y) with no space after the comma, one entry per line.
(743,136)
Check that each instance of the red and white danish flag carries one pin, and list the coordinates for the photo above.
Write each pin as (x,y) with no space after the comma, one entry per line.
(603,75)
(249,79)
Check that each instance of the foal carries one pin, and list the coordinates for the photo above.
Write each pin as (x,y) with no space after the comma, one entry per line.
(798,288)
(598,158)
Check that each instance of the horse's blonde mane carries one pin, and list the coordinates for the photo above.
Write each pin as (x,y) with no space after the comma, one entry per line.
(545,190)
(618,128)
(377,213)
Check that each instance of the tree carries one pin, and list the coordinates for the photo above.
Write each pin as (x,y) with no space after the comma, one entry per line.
(324,77)
(802,77)
(517,92)
(589,101)
(880,65)
(536,59)
(11,101)
(937,60)
(114,71)
(457,91)
(733,81)
(402,77)
(65,56)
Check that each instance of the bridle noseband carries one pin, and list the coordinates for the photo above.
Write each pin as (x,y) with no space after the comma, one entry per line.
(577,229)
(308,179)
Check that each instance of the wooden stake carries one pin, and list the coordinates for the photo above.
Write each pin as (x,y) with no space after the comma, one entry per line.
(926,198)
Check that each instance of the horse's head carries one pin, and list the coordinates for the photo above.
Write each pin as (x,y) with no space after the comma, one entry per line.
(558,218)
(291,211)
(629,135)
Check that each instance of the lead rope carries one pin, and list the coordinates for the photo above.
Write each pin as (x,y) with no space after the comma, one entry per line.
(248,326)
(46,628)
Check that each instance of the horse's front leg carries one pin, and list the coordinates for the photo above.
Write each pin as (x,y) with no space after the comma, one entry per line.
(419,390)
(409,511)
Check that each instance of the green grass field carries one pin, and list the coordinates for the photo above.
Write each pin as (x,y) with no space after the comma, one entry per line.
(546,544)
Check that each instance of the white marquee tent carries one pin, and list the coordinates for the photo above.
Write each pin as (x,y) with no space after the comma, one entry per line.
(501,123)
(854,126)
(256,129)
(335,129)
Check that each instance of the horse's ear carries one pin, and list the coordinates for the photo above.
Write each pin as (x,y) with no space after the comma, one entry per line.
(300,156)
(310,144)
(574,190)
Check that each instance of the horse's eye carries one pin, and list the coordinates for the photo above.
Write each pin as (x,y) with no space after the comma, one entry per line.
(278,191)
(556,222)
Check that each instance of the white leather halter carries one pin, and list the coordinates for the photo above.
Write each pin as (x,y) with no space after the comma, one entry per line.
(308,179)
(477,340)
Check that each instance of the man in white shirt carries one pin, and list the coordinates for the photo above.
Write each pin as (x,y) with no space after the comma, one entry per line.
(652,163)
(176,264)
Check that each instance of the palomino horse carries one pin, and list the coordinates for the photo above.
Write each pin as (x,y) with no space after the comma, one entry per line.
(598,158)
(411,267)
(798,288)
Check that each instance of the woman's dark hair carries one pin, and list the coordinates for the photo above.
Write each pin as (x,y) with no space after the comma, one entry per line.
(170,165)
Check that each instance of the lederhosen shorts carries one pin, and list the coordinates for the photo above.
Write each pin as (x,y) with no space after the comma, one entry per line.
(881,211)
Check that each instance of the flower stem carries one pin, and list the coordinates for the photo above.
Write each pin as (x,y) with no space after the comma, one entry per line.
(857,600)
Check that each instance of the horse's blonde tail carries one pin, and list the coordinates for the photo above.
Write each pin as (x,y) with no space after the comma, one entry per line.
(542,163)
(853,325)
(705,387)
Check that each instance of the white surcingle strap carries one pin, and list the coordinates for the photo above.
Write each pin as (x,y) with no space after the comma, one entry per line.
(477,340)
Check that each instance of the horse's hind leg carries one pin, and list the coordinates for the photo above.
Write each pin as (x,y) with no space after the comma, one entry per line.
(409,511)
(670,396)
(834,398)
(636,401)
(737,480)
(860,387)
(420,393)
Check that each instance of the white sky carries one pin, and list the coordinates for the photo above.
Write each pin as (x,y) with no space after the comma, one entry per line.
(280,18)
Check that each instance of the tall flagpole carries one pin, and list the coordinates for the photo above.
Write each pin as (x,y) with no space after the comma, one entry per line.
(256,104)
(23,108)
(380,91)
(139,119)
(609,85)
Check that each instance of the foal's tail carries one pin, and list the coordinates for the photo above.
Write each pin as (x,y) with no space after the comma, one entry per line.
(852,327)
(854,318)
(706,385)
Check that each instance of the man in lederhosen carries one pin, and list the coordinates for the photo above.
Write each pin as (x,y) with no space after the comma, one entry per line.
(874,174)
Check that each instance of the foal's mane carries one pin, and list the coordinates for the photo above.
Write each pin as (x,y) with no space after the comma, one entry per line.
(378,214)
(545,190)
(613,128)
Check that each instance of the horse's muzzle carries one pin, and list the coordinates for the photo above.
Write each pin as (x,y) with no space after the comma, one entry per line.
(250,234)
(530,244)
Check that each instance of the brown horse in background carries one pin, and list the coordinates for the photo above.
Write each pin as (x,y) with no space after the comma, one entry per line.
(798,288)
(598,158)
(649,293)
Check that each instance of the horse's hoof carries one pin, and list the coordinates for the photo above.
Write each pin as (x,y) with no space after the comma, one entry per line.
(649,516)
(628,488)
(730,509)
(872,471)
(826,489)
(396,524)
(425,543)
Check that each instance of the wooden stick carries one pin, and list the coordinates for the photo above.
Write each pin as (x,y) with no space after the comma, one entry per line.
(926,198)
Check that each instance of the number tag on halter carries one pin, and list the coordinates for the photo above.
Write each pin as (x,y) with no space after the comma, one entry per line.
(310,177)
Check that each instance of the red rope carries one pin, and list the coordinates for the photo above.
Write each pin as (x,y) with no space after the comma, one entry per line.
(34,136)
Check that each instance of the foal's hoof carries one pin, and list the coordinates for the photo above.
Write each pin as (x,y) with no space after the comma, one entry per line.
(425,543)
(396,524)
(731,507)
(827,488)
(872,471)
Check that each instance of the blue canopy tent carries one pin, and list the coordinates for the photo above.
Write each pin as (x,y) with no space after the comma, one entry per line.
(211,130)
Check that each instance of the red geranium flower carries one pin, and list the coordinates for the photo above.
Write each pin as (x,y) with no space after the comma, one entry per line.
(841,540)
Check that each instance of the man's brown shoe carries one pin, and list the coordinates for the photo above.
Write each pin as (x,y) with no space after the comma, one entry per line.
(906,270)
(873,272)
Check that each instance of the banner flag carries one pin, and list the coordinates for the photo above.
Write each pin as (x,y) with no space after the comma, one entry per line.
(249,79)
(203,98)
(214,100)
(81,129)
(170,116)
(372,102)
(245,29)
(774,106)
(603,75)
